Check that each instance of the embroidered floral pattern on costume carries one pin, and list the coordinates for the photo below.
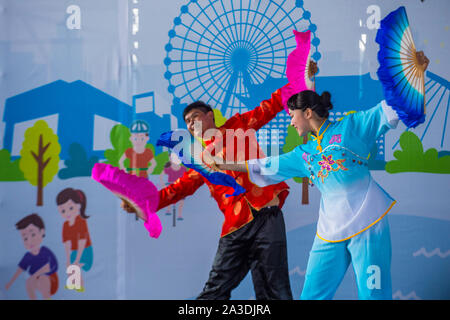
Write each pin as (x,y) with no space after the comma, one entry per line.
(335,138)
(327,166)
(326,163)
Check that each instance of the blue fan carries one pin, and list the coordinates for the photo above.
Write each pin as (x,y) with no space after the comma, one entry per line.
(189,150)
(402,77)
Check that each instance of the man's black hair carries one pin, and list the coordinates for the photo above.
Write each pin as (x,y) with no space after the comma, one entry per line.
(197,105)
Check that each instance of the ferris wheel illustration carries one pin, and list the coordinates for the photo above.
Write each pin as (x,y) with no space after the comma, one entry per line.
(217,49)
(433,131)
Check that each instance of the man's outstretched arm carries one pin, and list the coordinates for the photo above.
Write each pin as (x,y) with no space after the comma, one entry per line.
(264,113)
(183,187)
(268,109)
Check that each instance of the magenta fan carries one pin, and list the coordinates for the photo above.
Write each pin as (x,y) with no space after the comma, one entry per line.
(137,191)
(297,67)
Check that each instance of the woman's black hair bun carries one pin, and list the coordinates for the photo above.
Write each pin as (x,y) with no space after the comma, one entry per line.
(325,100)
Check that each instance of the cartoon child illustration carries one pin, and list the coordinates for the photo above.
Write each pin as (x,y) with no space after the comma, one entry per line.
(39,261)
(75,234)
(139,155)
(174,170)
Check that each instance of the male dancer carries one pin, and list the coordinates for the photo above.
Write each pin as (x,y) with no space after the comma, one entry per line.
(253,234)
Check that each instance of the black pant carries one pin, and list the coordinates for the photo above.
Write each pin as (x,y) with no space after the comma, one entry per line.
(259,246)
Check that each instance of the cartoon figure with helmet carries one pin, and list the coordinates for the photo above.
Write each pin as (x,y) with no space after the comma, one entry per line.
(139,155)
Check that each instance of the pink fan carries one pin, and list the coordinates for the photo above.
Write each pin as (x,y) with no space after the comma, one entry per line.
(137,191)
(298,68)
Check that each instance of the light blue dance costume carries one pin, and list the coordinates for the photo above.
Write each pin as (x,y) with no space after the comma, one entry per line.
(352,226)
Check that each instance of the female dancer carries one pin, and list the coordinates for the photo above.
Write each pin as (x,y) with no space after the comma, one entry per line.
(352,226)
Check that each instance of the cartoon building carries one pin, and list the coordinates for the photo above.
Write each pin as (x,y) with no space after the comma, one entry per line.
(78,112)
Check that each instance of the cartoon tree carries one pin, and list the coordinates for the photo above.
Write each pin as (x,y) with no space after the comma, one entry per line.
(120,140)
(79,165)
(412,158)
(40,157)
(161,159)
(9,170)
(293,140)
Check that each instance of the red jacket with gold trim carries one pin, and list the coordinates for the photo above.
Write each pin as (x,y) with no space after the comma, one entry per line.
(236,209)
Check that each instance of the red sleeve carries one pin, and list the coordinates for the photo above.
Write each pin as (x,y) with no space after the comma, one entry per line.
(261,115)
(65,234)
(180,189)
(82,228)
